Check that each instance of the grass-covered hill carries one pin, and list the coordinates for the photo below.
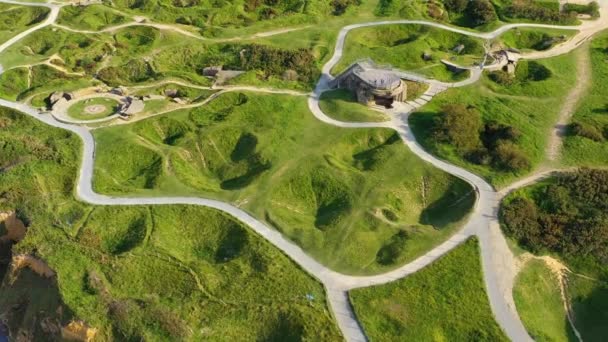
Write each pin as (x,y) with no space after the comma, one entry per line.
(445,301)
(563,217)
(138,55)
(587,141)
(357,200)
(404,47)
(140,273)
(15,18)
(501,125)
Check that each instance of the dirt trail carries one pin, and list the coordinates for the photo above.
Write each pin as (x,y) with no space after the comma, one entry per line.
(583,81)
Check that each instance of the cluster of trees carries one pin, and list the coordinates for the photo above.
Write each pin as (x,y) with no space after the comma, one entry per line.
(278,62)
(592,9)
(479,12)
(491,143)
(538,11)
(568,216)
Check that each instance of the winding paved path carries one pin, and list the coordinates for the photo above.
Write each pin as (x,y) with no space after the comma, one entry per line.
(497,259)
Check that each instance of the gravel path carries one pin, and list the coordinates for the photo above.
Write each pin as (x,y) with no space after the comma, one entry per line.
(498,262)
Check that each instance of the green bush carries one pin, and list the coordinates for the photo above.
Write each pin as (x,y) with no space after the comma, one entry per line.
(587,131)
(481,12)
(567,216)
(509,157)
(502,77)
(459,126)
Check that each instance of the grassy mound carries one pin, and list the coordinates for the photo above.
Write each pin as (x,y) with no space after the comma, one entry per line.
(342,105)
(403,47)
(431,303)
(530,105)
(526,38)
(143,272)
(315,183)
(591,149)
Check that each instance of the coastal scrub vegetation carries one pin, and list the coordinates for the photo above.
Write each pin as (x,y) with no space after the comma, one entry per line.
(565,217)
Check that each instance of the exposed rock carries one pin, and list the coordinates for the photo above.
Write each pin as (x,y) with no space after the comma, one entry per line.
(38,266)
(15,229)
(78,331)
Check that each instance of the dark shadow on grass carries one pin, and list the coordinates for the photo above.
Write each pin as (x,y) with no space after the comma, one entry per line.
(244,147)
(257,166)
(452,207)
(232,243)
(285,329)
(133,237)
(370,159)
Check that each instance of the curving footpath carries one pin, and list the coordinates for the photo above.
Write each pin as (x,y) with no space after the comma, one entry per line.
(498,263)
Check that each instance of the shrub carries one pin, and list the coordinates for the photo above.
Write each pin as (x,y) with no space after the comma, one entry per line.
(502,77)
(495,132)
(509,157)
(520,218)
(586,131)
(527,9)
(481,12)
(592,9)
(459,126)
(393,249)
(457,6)
(567,216)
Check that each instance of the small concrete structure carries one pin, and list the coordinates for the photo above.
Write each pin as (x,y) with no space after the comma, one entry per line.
(508,59)
(131,106)
(212,71)
(458,48)
(120,91)
(58,96)
(171,93)
(372,85)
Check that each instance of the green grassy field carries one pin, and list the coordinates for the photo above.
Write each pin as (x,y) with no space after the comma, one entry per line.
(78,109)
(342,105)
(446,301)
(539,303)
(529,106)
(133,273)
(345,196)
(403,46)
(592,111)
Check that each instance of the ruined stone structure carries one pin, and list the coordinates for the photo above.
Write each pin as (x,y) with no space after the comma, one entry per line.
(372,85)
